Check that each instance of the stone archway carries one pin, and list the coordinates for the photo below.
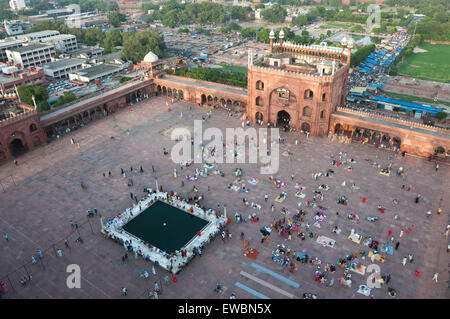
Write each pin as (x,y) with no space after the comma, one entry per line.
(306,127)
(158,90)
(164,91)
(203,99)
(259,117)
(17,147)
(283,118)
(397,142)
(338,129)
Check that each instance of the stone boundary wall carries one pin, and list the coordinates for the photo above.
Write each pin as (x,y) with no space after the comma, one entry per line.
(386,118)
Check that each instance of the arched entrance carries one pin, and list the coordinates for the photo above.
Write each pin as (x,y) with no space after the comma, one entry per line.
(203,98)
(338,129)
(283,119)
(17,147)
(306,127)
(259,117)
(397,141)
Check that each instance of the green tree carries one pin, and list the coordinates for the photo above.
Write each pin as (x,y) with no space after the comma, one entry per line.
(64,99)
(113,38)
(115,18)
(238,12)
(300,20)
(248,33)
(40,94)
(441,115)
(275,14)
(263,35)
(93,36)
(137,44)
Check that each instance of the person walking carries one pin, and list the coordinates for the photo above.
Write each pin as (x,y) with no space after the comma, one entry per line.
(66,243)
(39,253)
(404,261)
(33,260)
(418,198)
(124,291)
(388,278)
(59,252)
(5,236)
(154,270)
(396,245)
(435,277)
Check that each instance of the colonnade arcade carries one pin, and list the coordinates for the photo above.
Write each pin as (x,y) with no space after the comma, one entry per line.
(174,93)
(97,112)
(348,133)
(219,101)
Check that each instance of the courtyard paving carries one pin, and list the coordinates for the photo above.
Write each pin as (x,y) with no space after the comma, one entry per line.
(42,195)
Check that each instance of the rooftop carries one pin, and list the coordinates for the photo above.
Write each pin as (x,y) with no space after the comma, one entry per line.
(32,47)
(56,65)
(95,70)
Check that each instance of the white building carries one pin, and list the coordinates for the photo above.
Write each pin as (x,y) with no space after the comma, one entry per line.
(96,72)
(63,42)
(62,68)
(31,55)
(16,27)
(17,5)
(36,36)
(8,45)
(258,14)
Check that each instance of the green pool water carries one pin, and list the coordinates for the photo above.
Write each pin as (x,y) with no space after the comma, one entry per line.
(180,227)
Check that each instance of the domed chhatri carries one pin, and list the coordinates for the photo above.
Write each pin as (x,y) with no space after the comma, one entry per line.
(151,57)
(272,34)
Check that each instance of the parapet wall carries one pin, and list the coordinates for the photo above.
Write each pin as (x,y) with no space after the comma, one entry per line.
(387,118)
(18,118)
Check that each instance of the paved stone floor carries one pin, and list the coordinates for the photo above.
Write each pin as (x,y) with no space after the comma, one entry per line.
(43,194)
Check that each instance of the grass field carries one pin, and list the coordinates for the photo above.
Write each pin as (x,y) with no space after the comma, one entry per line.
(416,99)
(331,25)
(235,68)
(433,65)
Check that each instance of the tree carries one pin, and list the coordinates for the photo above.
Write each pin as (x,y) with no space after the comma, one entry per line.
(260,6)
(113,38)
(247,33)
(115,18)
(300,20)
(263,35)
(441,115)
(328,32)
(238,12)
(93,36)
(40,94)
(64,99)
(274,14)
(137,44)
